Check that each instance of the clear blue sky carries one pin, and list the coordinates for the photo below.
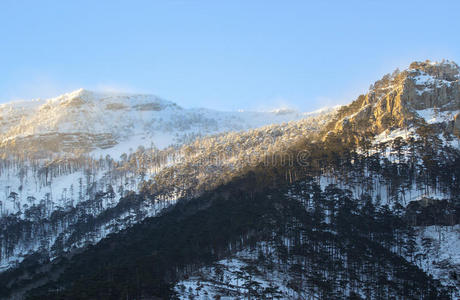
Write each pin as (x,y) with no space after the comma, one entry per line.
(219,54)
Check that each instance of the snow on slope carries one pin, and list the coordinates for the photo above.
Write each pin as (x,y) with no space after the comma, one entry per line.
(35,188)
(234,277)
(237,277)
(432,116)
(438,253)
(127,120)
(124,120)
(388,136)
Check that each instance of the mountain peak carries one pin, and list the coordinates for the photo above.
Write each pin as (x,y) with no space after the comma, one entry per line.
(395,100)
(80,92)
(428,64)
(112,100)
(444,70)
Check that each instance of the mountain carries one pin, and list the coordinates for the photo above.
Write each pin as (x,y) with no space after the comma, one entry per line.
(426,92)
(111,123)
(358,202)
(69,161)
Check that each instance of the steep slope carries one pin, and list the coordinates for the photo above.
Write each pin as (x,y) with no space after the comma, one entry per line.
(245,239)
(70,198)
(403,99)
(90,206)
(394,148)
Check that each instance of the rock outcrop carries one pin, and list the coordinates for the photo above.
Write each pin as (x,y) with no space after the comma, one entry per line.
(393,101)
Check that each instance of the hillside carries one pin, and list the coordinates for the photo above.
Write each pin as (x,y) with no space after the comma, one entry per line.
(232,210)
(76,191)
(112,123)
(269,236)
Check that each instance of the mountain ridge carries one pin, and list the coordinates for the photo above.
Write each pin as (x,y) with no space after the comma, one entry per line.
(61,124)
(396,100)
(393,146)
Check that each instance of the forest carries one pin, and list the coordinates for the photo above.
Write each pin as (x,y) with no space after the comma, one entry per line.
(337,217)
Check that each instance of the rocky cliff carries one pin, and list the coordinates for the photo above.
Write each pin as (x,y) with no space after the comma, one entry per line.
(399,100)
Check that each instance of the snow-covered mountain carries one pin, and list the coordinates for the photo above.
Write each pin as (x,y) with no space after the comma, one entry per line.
(84,165)
(51,149)
(112,123)
(61,154)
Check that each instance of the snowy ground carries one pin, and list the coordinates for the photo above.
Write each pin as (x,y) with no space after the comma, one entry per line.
(439,253)
(432,115)
(239,276)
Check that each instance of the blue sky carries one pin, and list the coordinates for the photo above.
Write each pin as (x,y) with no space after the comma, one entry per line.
(219,54)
